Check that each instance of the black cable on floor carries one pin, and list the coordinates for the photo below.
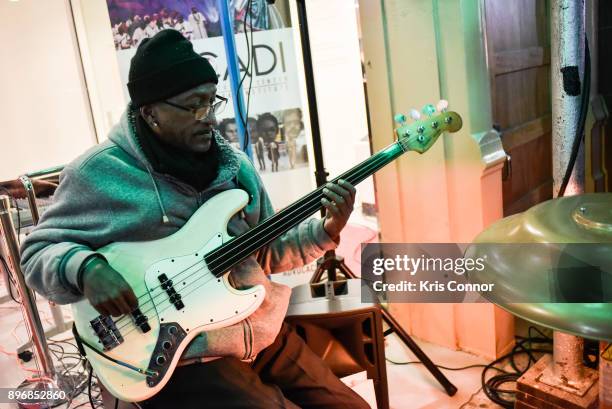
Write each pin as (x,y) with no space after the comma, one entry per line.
(462,368)
(492,387)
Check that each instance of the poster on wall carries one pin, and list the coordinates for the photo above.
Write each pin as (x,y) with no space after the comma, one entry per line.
(275,120)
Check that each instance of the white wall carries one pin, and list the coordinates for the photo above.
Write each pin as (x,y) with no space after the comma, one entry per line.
(100,63)
(44,116)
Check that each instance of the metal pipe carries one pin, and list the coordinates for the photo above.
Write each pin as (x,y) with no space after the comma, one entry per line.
(28,302)
(567,356)
(56,310)
(567,65)
(320,172)
(567,69)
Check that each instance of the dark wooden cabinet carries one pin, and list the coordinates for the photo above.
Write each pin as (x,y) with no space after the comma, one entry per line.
(518,43)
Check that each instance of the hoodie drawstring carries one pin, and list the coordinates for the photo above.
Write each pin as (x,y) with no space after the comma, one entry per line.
(165,218)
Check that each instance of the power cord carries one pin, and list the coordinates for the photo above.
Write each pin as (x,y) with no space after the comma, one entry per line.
(461,368)
(74,367)
(492,387)
(89,386)
(584,107)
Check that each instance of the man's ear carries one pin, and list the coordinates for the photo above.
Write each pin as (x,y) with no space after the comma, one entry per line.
(147,113)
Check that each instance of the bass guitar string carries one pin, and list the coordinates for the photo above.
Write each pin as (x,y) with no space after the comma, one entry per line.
(372,163)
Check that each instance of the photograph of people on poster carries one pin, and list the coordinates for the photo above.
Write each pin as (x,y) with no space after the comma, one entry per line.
(229,130)
(132,21)
(277,139)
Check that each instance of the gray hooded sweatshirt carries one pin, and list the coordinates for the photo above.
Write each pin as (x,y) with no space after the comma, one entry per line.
(112,194)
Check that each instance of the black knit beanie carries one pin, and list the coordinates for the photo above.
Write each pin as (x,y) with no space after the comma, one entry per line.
(166,65)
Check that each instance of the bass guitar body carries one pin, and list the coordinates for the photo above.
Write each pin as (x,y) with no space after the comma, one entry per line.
(178,299)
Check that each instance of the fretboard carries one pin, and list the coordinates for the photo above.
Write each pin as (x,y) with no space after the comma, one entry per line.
(239,248)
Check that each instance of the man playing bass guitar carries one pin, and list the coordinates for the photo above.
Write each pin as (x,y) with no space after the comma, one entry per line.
(161,162)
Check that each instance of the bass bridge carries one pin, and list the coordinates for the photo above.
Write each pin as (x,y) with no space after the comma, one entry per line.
(107,332)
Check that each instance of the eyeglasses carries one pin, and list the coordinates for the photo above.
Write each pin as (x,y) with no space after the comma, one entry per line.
(204,111)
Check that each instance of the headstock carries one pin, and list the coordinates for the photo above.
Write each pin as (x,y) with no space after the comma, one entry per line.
(428,124)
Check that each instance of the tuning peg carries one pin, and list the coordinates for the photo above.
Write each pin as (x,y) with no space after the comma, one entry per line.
(400,119)
(442,105)
(414,114)
(429,110)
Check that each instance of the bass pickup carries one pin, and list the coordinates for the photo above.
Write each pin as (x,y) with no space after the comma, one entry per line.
(168,286)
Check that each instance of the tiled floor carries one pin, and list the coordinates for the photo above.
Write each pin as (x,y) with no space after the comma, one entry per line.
(410,386)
